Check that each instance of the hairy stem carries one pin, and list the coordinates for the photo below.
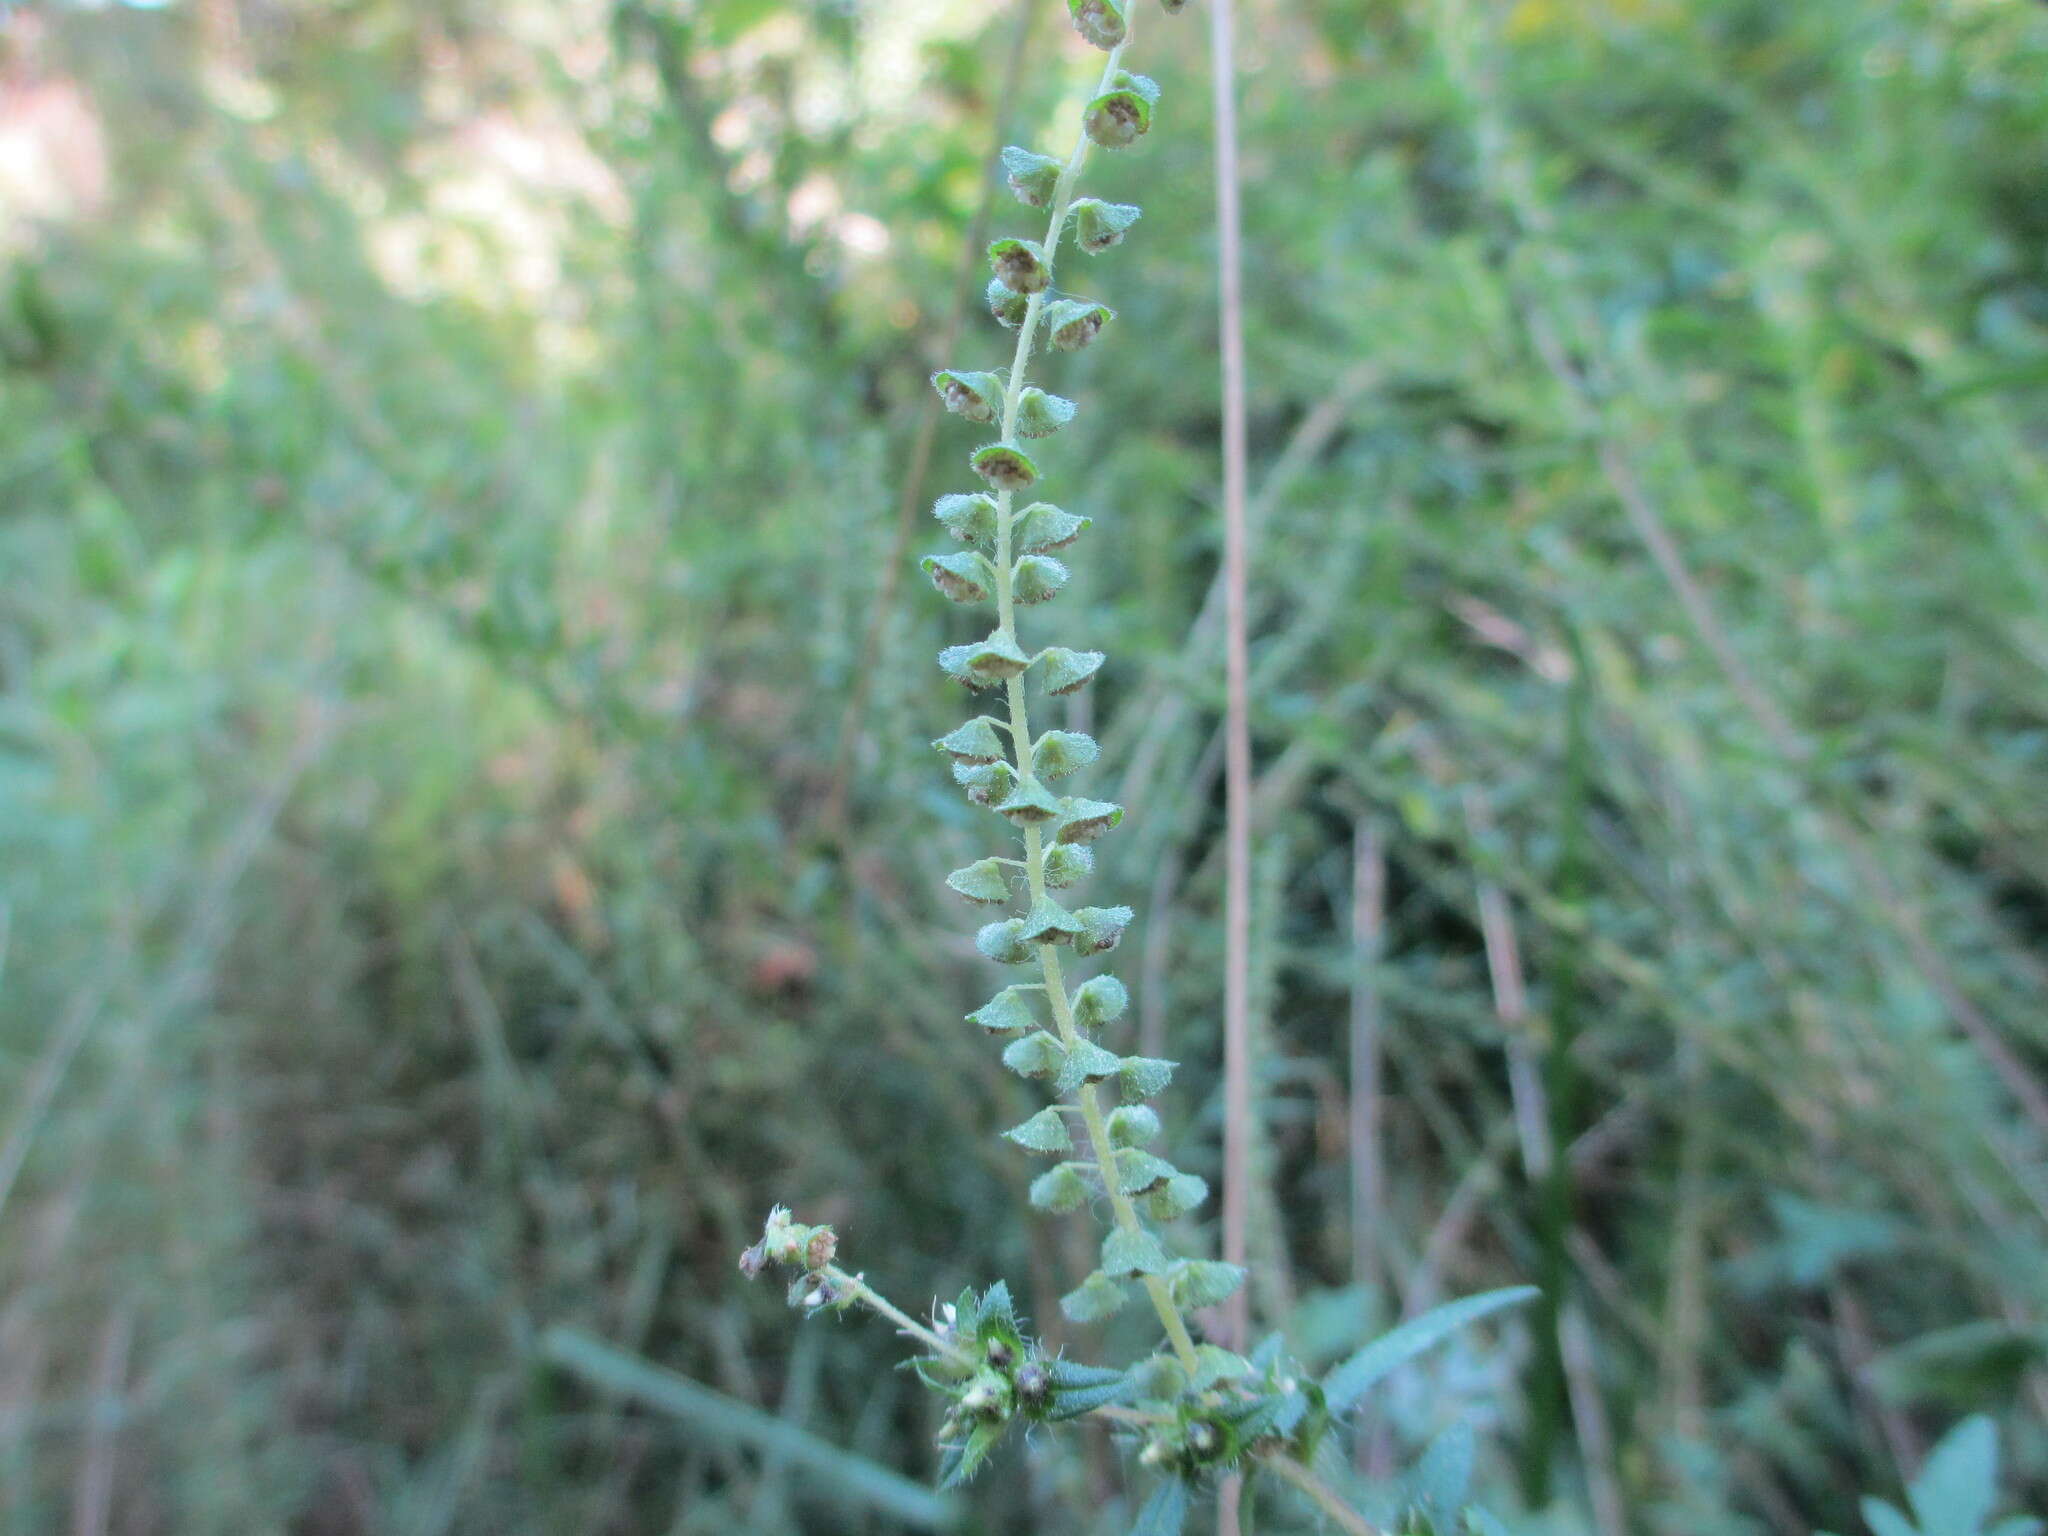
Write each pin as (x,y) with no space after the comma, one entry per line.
(1085,1099)
(875,1301)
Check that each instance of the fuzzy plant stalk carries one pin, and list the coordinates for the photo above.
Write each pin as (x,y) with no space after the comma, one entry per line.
(1194,1411)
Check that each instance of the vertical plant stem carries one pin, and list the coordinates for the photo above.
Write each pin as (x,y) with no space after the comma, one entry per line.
(1368,926)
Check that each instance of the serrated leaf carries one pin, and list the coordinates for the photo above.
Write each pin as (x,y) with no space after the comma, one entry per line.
(966,1459)
(1087,1062)
(1127,1253)
(1019,265)
(1093,1299)
(1059,753)
(1099,1001)
(1166,1512)
(1358,1375)
(1198,1283)
(1059,1190)
(998,1309)
(1139,1172)
(1958,1486)
(1036,1055)
(1144,1076)
(1045,1131)
(996,658)
(1067,671)
(985,880)
(1004,1014)
(985,783)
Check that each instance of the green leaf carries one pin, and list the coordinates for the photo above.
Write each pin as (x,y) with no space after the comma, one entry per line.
(1144,1076)
(977,396)
(1040,414)
(1019,265)
(1037,579)
(1134,1125)
(1093,1299)
(1004,1014)
(1444,1474)
(1087,1063)
(1358,1375)
(1138,1172)
(1036,1055)
(1072,1404)
(1004,466)
(1958,1487)
(1042,527)
(1177,1197)
(976,742)
(1068,671)
(997,1310)
(1214,1363)
(1050,923)
(1099,1001)
(1884,1520)
(1166,1512)
(1045,1131)
(967,1458)
(1003,942)
(1030,803)
(969,518)
(1198,1283)
(1099,225)
(1066,863)
(1083,821)
(1102,928)
(985,880)
(1072,1375)
(963,578)
(1033,177)
(1127,1253)
(1059,1190)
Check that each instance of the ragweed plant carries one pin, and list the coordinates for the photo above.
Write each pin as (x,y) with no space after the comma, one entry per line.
(1195,1411)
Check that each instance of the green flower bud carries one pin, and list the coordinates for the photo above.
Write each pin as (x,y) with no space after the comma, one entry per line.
(1066,863)
(1004,1014)
(1033,177)
(1020,264)
(965,577)
(986,662)
(974,742)
(1049,923)
(1177,1196)
(1003,943)
(1099,225)
(1118,118)
(1036,1055)
(1005,466)
(1040,414)
(1093,1299)
(1127,1254)
(1143,1077)
(1102,929)
(1083,821)
(969,518)
(1087,1062)
(1139,1172)
(1134,1125)
(1008,308)
(1035,578)
(985,880)
(985,783)
(1073,323)
(977,396)
(1059,1190)
(1029,802)
(1043,527)
(1198,1283)
(1045,1131)
(1059,753)
(1099,1001)
(1068,671)
(1100,21)
(1034,1385)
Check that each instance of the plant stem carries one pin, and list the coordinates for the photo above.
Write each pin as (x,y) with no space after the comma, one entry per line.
(1020,735)
(1321,1494)
(873,1299)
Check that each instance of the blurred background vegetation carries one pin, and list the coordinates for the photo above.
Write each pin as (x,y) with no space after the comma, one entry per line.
(468,842)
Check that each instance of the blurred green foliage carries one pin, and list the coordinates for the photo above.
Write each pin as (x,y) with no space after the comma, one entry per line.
(450,468)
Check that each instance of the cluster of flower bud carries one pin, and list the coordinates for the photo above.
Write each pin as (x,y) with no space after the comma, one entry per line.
(809,1250)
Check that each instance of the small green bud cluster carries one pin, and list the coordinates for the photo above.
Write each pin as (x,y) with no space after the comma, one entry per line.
(808,1250)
